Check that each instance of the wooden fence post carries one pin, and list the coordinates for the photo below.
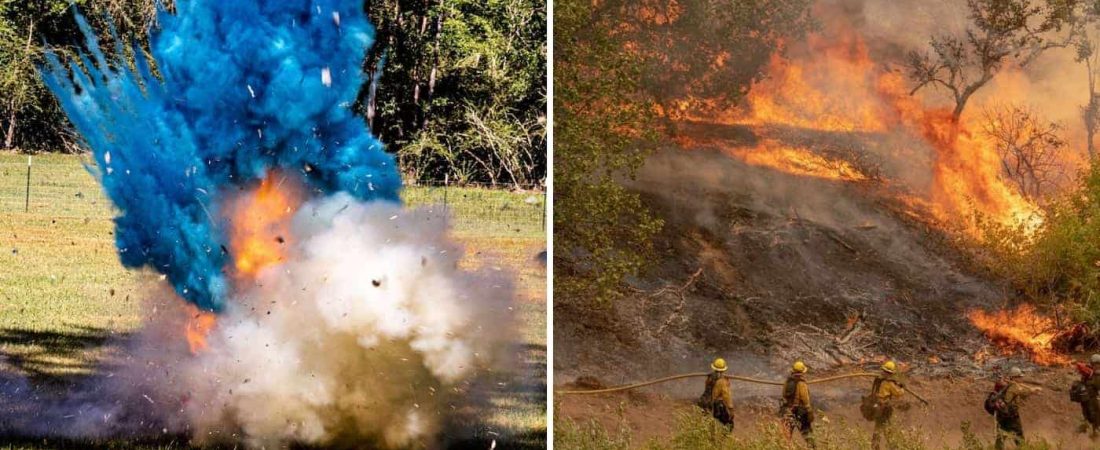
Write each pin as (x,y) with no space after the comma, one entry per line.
(27,201)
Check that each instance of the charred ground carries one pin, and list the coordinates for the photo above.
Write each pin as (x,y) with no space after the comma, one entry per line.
(765,266)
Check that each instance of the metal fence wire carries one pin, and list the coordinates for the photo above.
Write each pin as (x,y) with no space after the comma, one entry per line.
(61,186)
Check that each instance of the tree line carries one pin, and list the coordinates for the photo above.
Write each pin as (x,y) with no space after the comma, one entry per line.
(455,88)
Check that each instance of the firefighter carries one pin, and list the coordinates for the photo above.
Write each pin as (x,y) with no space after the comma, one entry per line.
(796,411)
(886,395)
(1091,406)
(717,398)
(1006,408)
(1083,391)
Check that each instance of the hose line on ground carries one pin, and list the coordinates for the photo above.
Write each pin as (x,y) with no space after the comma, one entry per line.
(628,387)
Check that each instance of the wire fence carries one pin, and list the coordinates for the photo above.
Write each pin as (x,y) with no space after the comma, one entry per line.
(61,186)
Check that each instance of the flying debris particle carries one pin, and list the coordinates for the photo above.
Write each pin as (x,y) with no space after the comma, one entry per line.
(393,217)
(280,239)
(251,92)
(336,17)
(376,283)
(326,77)
(493,446)
(107,158)
(151,402)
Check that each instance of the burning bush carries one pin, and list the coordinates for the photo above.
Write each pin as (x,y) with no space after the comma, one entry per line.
(1022,330)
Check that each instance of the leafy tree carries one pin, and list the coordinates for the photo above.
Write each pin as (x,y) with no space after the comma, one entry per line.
(462,92)
(460,95)
(603,129)
(1002,33)
(31,118)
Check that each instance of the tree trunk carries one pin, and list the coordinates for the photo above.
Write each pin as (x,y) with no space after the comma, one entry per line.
(1091,112)
(9,138)
(435,64)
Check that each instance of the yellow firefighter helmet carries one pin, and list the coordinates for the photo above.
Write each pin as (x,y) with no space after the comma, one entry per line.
(889,367)
(799,367)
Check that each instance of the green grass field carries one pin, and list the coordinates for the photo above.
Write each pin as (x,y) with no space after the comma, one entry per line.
(63,292)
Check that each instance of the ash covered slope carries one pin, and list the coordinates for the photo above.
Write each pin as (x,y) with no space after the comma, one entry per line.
(763,266)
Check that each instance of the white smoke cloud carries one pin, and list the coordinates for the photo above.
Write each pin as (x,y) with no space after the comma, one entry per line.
(364,333)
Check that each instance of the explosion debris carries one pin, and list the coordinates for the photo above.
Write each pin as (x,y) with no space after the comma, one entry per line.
(265,208)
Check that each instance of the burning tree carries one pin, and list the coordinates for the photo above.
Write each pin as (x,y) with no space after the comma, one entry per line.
(1029,148)
(1003,33)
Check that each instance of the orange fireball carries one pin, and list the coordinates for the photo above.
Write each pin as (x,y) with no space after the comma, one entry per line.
(199,325)
(260,224)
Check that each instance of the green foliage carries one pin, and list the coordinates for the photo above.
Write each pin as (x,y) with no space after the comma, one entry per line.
(461,94)
(604,128)
(1059,262)
(29,116)
(462,90)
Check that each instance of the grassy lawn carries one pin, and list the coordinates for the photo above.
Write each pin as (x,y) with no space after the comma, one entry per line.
(63,293)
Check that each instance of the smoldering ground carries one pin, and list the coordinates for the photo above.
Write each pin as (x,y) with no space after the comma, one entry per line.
(368,332)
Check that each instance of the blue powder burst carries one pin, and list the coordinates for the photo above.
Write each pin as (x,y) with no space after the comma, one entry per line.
(243,87)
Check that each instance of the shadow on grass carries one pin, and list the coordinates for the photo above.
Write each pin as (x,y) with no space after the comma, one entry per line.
(517,395)
(39,367)
(52,357)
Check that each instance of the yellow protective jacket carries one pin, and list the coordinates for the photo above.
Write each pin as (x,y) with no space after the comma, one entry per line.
(722,393)
(796,393)
(889,390)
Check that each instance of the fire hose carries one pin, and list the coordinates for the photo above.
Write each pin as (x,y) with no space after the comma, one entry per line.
(628,387)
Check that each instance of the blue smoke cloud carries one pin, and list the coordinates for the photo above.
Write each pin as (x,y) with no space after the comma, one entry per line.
(242,87)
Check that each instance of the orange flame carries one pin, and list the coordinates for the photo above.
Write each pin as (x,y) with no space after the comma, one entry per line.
(1021,330)
(797,161)
(258,234)
(836,87)
(260,228)
(199,324)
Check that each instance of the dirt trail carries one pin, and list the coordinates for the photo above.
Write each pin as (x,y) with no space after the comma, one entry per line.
(651,413)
